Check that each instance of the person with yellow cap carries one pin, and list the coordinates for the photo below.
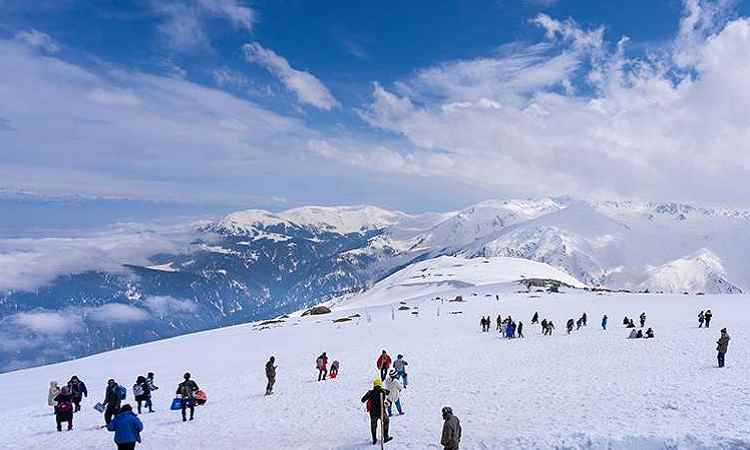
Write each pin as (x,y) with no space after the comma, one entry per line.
(376,404)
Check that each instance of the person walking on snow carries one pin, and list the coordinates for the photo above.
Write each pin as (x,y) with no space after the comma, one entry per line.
(151,388)
(141,391)
(383,363)
(535,318)
(375,401)
(701,318)
(544,327)
(186,390)
(649,333)
(520,329)
(579,322)
(322,366)
(78,389)
(584,319)
(708,317)
(643,319)
(451,436)
(111,401)
(127,427)
(604,322)
(550,328)
(64,408)
(499,322)
(334,370)
(570,325)
(722,345)
(400,366)
(54,389)
(394,391)
(270,375)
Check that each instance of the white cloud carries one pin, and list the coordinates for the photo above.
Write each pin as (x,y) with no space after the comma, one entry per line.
(226,77)
(183,23)
(308,89)
(163,305)
(48,322)
(26,264)
(37,39)
(116,313)
(576,115)
(131,134)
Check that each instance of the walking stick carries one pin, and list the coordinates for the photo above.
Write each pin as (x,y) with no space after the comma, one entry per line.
(382,421)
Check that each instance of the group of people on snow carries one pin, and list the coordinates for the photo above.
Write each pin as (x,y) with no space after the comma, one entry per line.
(118,417)
(321,363)
(705,317)
(507,327)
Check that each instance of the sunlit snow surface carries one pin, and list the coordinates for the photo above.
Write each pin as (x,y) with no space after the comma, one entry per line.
(592,389)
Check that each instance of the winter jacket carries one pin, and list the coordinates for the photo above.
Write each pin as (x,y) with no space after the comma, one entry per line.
(394,389)
(60,399)
(400,365)
(78,388)
(270,370)
(111,398)
(723,343)
(322,362)
(53,391)
(187,389)
(384,361)
(451,433)
(127,427)
(377,401)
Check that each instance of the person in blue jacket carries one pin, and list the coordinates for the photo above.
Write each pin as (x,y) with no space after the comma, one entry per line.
(604,323)
(127,427)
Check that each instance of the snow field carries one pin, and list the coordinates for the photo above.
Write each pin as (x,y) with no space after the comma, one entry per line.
(592,389)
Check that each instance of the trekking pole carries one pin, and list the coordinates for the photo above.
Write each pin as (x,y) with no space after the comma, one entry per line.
(382,421)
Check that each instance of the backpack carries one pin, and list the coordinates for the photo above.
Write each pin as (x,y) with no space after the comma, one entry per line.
(64,407)
(319,363)
(121,392)
(138,390)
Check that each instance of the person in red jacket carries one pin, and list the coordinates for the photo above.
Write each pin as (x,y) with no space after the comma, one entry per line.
(384,363)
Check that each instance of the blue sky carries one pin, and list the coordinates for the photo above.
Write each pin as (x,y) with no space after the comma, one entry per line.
(414,105)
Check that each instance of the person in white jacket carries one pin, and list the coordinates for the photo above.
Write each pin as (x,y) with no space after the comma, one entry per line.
(394,390)
(54,389)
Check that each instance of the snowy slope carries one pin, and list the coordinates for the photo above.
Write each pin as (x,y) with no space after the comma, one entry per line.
(481,220)
(701,272)
(590,390)
(446,273)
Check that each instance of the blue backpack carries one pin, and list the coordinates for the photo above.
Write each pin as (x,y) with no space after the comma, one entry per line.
(121,392)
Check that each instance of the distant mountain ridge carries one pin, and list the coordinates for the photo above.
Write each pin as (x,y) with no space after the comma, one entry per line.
(254,264)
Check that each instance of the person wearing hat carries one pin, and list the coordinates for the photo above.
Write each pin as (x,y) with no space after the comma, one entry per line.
(127,427)
(111,401)
(394,390)
(451,437)
(722,345)
(78,388)
(186,390)
(375,400)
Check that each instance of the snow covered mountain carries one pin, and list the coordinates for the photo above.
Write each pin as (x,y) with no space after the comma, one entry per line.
(256,264)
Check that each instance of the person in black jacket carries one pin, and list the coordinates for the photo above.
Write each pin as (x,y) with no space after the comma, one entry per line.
(186,390)
(141,391)
(78,389)
(375,400)
(111,401)
(151,388)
